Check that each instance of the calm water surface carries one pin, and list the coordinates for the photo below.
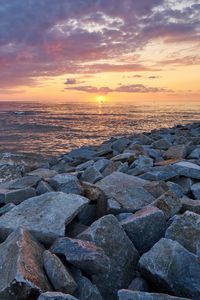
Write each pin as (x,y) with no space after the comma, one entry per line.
(53,129)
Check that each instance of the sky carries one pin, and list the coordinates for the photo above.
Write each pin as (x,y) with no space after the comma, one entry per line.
(100,50)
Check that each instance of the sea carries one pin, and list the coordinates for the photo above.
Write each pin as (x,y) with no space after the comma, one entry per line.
(55,128)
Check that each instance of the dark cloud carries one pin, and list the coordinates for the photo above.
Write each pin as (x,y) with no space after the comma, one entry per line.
(132,88)
(56,37)
(71,81)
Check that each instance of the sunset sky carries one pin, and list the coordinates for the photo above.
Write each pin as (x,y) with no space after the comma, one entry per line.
(121,50)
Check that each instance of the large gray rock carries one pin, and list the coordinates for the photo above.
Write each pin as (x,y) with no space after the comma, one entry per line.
(169,203)
(59,276)
(185,229)
(188,169)
(101,164)
(131,295)
(45,216)
(172,269)
(127,190)
(16,196)
(190,204)
(43,173)
(21,267)
(120,144)
(82,254)
(145,227)
(6,208)
(56,296)
(109,235)
(195,188)
(66,183)
(184,182)
(86,290)
(22,183)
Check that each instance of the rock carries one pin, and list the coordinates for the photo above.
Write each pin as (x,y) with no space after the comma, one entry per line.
(125,157)
(161,144)
(113,166)
(185,229)
(88,214)
(188,169)
(66,183)
(127,190)
(195,154)
(86,290)
(156,188)
(191,205)
(113,207)
(6,208)
(21,267)
(91,175)
(195,188)
(43,187)
(56,296)
(16,196)
(123,216)
(109,235)
(145,228)
(57,273)
(82,153)
(142,162)
(175,188)
(82,254)
(22,183)
(43,173)
(85,165)
(160,173)
(101,164)
(139,284)
(178,151)
(120,144)
(184,182)
(172,269)
(169,203)
(45,216)
(131,295)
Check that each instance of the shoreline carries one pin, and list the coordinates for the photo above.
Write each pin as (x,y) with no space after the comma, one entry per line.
(104,222)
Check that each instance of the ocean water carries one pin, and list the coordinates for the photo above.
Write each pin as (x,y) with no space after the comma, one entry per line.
(53,129)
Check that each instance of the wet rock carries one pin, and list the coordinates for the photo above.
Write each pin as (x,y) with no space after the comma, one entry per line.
(178,151)
(21,267)
(43,187)
(82,254)
(43,173)
(6,208)
(188,169)
(190,204)
(57,273)
(66,183)
(127,190)
(169,203)
(16,196)
(86,290)
(195,188)
(145,227)
(109,235)
(131,295)
(185,229)
(56,296)
(45,216)
(91,175)
(172,269)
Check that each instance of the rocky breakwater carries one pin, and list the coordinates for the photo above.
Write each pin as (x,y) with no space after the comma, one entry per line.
(117,221)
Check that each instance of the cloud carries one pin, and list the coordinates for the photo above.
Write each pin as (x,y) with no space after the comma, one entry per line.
(56,37)
(132,88)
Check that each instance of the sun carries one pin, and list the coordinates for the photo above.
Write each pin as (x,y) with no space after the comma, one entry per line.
(100,99)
